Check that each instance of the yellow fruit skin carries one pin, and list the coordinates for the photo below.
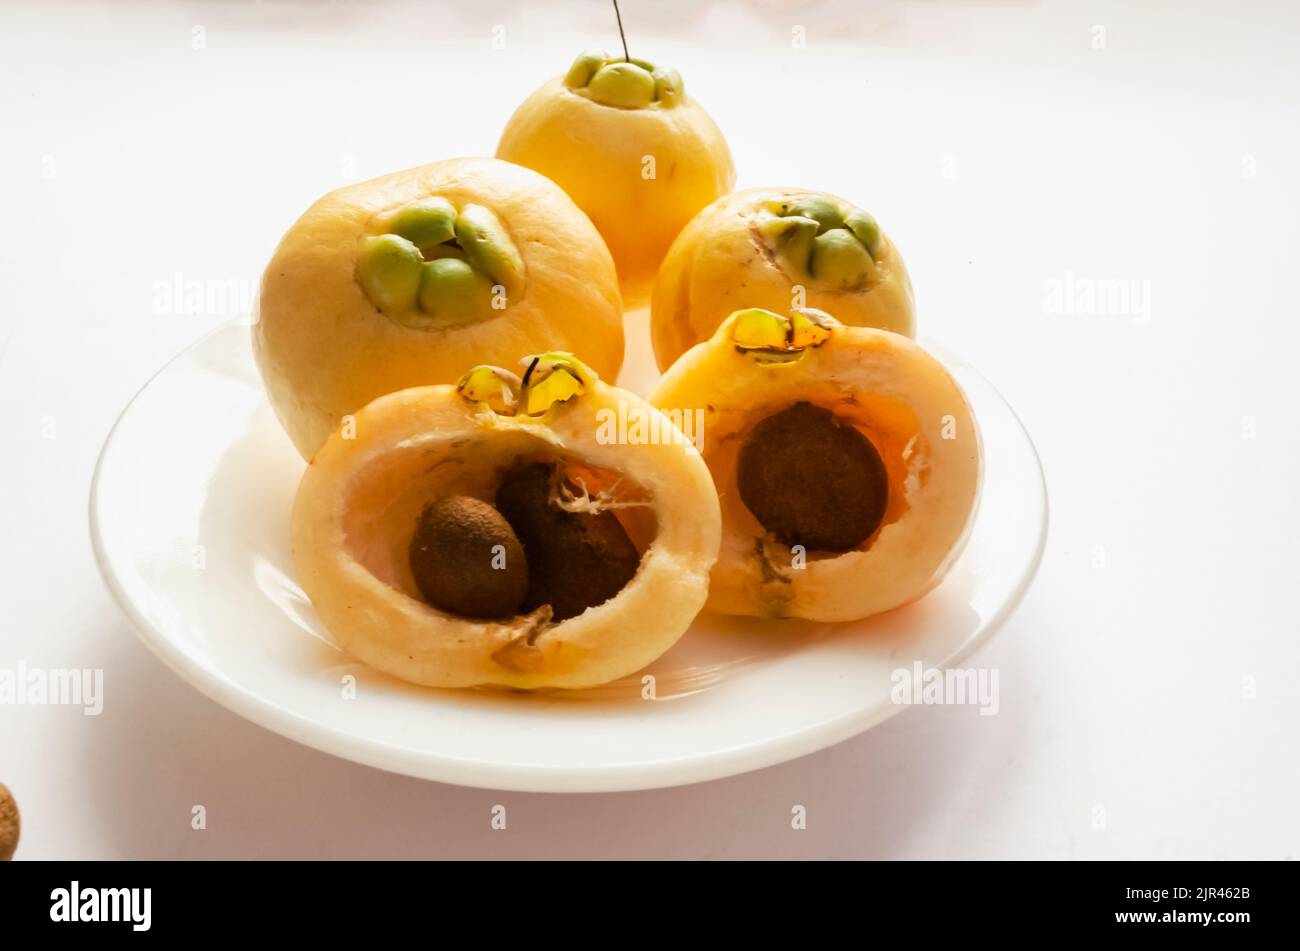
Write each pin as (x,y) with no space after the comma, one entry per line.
(897,395)
(719,264)
(598,154)
(357,504)
(325,350)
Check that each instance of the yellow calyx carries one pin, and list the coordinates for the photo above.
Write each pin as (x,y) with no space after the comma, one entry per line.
(769,336)
(550,378)
(496,387)
(553,378)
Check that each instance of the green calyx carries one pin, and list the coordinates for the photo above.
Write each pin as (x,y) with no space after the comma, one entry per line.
(624,83)
(488,247)
(434,266)
(819,208)
(425,223)
(769,337)
(817,238)
(549,379)
(839,259)
(388,270)
(452,291)
(865,229)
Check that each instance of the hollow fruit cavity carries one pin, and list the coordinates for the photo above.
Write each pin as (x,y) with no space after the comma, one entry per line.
(545,541)
(812,479)
(623,83)
(433,265)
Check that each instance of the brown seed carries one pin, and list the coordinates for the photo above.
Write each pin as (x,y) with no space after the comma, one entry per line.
(10,824)
(576,560)
(466,559)
(812,479)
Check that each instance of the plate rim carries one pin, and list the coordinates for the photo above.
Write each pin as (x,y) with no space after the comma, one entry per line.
(437,767)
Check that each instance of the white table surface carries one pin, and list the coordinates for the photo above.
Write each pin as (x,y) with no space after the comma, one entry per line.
(1150,682)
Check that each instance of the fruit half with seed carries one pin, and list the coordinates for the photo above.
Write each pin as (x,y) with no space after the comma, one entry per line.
(847,463)
(407,279)
(773,248)
(505,530)
(635,152)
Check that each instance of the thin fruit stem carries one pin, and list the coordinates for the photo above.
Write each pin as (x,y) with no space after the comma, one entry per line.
(621,35)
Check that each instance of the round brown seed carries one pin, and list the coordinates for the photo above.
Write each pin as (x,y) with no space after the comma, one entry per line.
(812,479)
(467,560)
(576,560)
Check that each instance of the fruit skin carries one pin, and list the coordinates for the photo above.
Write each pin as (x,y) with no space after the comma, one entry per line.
(720,263)
(916,416)
(596,153)
(358,500)
(577,560)
(459,542)
(324,350)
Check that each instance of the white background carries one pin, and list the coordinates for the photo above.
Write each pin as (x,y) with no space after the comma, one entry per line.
(1149,683)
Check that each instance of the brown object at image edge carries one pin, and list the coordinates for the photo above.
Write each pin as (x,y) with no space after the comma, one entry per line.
(10,824)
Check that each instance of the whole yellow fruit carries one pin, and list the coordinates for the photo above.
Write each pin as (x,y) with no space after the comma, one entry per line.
(407,279)
(636,153)
(778,248)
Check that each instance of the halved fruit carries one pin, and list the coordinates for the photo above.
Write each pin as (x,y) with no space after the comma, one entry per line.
(847,463)
(445,481)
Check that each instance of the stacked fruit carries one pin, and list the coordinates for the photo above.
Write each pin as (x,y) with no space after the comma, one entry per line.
(461,523)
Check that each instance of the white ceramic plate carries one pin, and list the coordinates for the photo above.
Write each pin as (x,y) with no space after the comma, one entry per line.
(189,519)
